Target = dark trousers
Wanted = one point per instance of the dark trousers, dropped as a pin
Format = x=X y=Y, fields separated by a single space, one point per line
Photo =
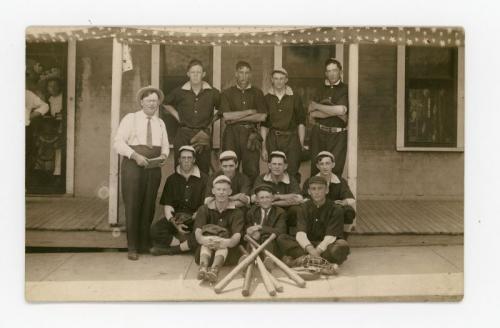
x=336 y=252
x=290 y=145
x=335 y=143
x=235 y=138
x=183 y=138
x=292 y=213
x=139 y=190
x=163 y=231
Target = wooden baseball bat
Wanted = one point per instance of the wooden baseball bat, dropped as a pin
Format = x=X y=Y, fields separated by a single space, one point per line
x=277 y=285
x=289 y=272
x=265 y=277
x=248 y=280
x=250 y=258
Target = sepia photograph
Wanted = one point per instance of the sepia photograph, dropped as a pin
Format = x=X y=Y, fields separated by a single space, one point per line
x=244 y=163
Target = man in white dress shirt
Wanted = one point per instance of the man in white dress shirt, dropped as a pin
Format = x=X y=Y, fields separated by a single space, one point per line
x=141 y=137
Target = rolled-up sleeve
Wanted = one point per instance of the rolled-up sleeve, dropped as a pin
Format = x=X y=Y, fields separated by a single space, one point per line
x=122 y=135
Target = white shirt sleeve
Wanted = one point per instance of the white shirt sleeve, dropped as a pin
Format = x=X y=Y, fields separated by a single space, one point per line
x=302 y=239
x=326 y=241
x=165 y=146
x=125 y=129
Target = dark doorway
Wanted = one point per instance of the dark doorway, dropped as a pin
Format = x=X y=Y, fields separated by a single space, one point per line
x=46 y=134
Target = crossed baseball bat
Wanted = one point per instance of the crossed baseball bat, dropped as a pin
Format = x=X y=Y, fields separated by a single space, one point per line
x=270 y=282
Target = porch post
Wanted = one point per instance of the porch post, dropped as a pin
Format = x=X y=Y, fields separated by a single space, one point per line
x=217 y=83
x=155 y=65
x=352 y=134
x=116 y=89
x=70 y=118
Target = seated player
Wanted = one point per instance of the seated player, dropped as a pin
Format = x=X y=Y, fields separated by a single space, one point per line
x=181 y=198
x=338 y=188
x=287 y=190
x=319 y=229
x=240 y=184
x=216 y=245
x=264 y=219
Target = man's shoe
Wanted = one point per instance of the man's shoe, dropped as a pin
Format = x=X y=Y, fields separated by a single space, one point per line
x=212 y=274
x=202 y=272
x=132 y=255
x=156 y=251
x=288 y=260
x=174 y=250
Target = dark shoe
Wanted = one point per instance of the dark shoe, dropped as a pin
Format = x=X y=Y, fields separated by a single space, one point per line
x=156 y=251
x=132 y=255
x=212 y=274
x=202 y=273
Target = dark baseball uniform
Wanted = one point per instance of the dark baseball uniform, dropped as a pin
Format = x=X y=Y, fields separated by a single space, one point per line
x=331 y=133
x=338 y=189
x=284 y=117
x=185 y=196
x=196 y=112
x=318 y=222
x=236 y=135
x=231 y=218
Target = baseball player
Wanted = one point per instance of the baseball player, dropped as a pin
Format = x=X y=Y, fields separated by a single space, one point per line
x=319 y=229
x=182 y=196
x=287 y=190
x=216 y=243
x=329 y=113
x=338 y=188
x=284 y=129
x=240 y=184
x=193 y=105
x=243 y=108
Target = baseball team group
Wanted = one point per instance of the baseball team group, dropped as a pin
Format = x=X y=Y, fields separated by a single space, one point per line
x=208 y=213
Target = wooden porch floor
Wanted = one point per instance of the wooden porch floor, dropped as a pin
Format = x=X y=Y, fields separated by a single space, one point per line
x=374 y=216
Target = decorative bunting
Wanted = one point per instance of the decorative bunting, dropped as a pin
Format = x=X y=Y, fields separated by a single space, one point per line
x=414 y=36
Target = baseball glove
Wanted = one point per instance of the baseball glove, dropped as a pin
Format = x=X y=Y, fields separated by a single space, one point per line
x=254 y=142
x=214 y=230
x=200 y=141
x=314 y=264
x=184 y=218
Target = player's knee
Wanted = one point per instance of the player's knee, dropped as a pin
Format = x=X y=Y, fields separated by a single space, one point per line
x=349 y=214
x=338 y=251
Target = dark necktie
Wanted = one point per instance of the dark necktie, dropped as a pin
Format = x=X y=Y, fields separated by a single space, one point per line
x=149 y=134
x=264 y=218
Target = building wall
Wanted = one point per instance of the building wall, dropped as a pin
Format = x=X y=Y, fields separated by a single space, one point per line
x=92 y=117
x=384 y=172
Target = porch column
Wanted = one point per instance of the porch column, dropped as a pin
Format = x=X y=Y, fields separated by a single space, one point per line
x=70 y=118
x=217 y=83
x=352 y=132
x=155 y=65
x=116 y=90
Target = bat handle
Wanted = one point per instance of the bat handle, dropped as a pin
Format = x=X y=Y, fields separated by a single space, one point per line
x=248 y=280
x=265 y=276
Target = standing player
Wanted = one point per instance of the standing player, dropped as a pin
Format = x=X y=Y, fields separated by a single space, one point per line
x=243 y=108
x=284 y=129
x=330 y=115
x=193 y=105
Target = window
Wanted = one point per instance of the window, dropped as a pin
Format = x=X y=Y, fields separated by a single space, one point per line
x=430 y=99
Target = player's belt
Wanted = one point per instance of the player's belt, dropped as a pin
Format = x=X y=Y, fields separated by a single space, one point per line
x=330 y=129
x=283 y=133
x=247 y=125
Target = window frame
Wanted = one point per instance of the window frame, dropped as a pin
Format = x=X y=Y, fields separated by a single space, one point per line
x=401 y=103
